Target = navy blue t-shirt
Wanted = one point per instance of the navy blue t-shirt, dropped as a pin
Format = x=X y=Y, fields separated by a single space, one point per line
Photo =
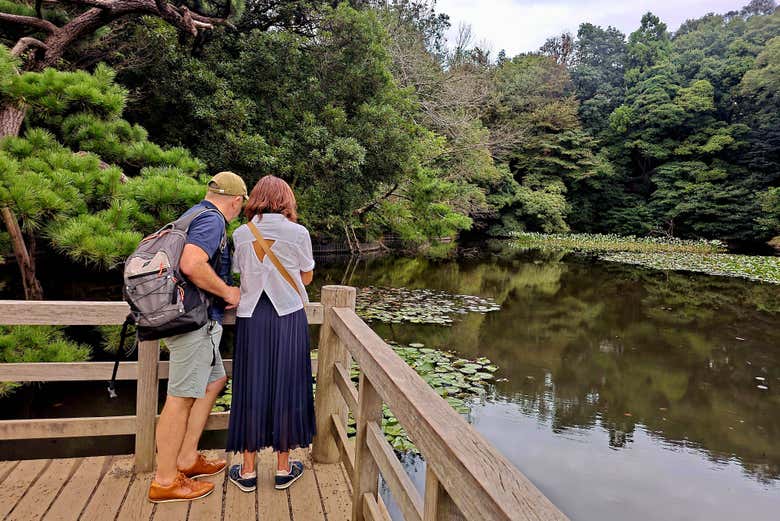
x=207 y=232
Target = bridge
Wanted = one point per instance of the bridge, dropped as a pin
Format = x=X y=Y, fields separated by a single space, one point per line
x=466 y=477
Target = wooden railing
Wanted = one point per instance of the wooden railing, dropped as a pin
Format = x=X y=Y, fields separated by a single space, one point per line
x=147 y=371
x=466 y=476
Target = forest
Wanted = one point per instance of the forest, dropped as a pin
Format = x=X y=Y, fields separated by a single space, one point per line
x=114 y=112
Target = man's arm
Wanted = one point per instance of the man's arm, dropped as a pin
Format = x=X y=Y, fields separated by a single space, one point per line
x=195 y=266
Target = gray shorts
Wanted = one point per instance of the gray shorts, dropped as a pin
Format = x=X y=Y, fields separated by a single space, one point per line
x=190 y=361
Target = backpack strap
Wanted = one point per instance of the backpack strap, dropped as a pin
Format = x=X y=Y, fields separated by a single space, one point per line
x=119 y=351
x=183 y=223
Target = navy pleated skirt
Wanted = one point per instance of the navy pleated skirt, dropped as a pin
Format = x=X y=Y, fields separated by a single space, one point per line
x=273 y=404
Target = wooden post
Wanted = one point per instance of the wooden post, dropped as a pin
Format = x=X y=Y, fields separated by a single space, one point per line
x=366 y=479
x=328 y=400
x=146 y=404
x=438 y=503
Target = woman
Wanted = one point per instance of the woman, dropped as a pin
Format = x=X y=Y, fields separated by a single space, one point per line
x=273 y=403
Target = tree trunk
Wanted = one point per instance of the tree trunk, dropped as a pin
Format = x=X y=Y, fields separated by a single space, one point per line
x=11 y=119
x=32 y=288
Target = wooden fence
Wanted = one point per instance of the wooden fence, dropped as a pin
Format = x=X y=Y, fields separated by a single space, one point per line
x=467 y=478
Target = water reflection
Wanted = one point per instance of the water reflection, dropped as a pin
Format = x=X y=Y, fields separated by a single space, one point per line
x=617 y=352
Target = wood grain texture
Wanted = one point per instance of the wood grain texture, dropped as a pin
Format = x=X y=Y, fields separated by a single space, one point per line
x=146 y=404
x=88 y=371
x=371 y=510
x=346 y=453
x=328 y=400
x=336 y=497
x=91 y=313
x=438 y=503
x=66 y=427
x=305 y=500
x=366 y=479
x=239 y=505
x=346 y=387
x=271 y=503
x=78 y=490
x=403 y=490
x=42 y=493
x=111 y=490
x=482 y=482
x=136 y=505
x=17 y=483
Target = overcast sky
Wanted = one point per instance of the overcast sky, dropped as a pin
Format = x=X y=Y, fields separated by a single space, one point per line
x=523 y=25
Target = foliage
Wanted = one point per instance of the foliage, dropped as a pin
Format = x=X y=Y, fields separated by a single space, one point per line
x=28 y=344
x=597 y=243
x=83 y=203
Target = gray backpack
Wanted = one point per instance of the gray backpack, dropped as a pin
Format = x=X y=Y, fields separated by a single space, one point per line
x=162 y=302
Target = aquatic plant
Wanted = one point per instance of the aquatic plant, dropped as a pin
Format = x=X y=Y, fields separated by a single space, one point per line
x=597 y=243
x=762 y=269
x=455 y=379
x=417 y=306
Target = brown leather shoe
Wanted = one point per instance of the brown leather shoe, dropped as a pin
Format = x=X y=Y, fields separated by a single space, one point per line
x=204 y=467
x=182 y=489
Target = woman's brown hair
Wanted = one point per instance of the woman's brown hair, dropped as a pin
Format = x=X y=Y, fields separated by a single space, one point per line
x=271 y=195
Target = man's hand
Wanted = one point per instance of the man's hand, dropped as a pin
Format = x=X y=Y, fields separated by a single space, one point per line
x=231 y=297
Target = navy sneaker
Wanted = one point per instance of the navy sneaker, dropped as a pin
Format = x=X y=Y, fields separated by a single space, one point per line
x=245 y=484
x=285 y=480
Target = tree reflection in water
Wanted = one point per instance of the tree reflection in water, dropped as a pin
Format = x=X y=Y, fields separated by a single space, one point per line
x=585 y=343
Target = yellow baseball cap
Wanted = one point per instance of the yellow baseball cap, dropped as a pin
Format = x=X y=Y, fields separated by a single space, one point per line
x=228 y=183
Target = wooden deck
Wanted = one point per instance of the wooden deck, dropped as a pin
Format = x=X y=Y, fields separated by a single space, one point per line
x=105 y=488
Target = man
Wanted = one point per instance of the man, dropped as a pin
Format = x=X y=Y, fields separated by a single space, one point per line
x=196 y=374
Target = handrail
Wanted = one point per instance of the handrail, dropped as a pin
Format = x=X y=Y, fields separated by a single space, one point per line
x=147 y=371
x=466 y=476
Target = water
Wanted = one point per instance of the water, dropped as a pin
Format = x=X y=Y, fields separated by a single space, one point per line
x=631 y=393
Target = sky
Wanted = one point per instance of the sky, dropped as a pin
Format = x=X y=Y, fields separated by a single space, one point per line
x=523 y=25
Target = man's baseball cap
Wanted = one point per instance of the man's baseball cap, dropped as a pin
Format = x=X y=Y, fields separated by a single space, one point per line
x=228 y=183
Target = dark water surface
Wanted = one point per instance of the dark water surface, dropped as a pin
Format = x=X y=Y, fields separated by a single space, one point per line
x=631 y=393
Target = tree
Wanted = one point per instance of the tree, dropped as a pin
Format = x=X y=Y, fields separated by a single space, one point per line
x=64 y=198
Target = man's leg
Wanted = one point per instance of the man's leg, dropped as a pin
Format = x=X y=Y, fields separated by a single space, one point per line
x=199 y=414
x=201 y=409
x=169 y=436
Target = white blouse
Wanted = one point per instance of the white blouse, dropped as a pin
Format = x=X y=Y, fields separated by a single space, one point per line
x=292 y=246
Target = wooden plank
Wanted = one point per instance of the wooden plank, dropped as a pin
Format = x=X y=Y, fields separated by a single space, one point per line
x=88 y=371
x=271 y=503
x=17 y=483
x=66 y=427
x=481 y=481
x=366 y=480
x=176 y=511
x=78 y=490
x=66 y=371
x=347 y=389
x=328 y=400
x=401 y=487
x=111 y=490
x=335 y=493
x=305 y=500
x=239 y=506
x=92 y=313
x=136 y=506
x=210 y=507
x=342 y=443
x=43 y=492
x=371 y=510
x=438 y=503
x=5 y=468
x=146 y=404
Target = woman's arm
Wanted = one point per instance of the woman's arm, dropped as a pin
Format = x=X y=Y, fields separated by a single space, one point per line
x=307 y=277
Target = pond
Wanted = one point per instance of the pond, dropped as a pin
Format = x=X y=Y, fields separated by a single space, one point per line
x=629 y=393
